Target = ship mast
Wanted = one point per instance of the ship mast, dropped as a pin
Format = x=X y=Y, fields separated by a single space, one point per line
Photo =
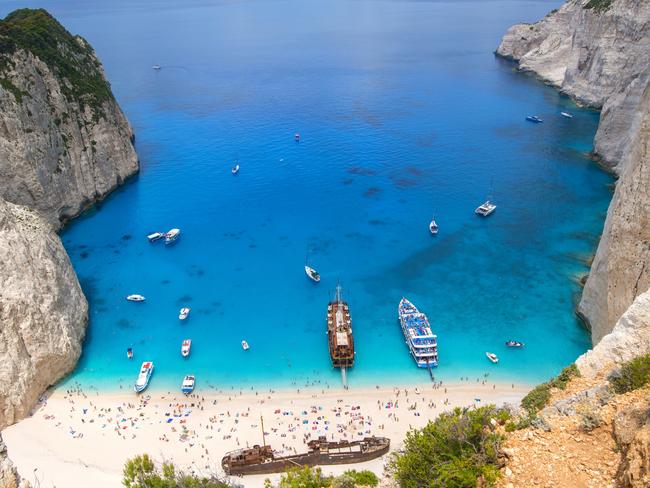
x=263 y=435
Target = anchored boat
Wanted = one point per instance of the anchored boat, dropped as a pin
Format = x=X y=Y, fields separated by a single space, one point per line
x=155 y=236
x=135 y=298
x=485 y=209
x=534 y=118
x=143 y=378
x=185 y=347
x=185 y=311
x=512 y=343
x=433 y=227
x=245 y=345
x=172 y=236
x=235 y=169
x=422 y=343
x=566 y=114
x=492 y=357
x=129 y=353
x=263 y=460
x=339 y=332
x=187 y=386
x=312 y=274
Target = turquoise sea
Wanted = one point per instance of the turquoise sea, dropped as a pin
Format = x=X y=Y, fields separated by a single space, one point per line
x=403 y=111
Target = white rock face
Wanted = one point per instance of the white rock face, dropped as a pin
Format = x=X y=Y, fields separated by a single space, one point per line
x=629 y=339
x=43 y=312
x=54 y=157
x=602 y=59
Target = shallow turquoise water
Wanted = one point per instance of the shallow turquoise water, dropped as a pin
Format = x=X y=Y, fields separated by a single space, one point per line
x=403 y=112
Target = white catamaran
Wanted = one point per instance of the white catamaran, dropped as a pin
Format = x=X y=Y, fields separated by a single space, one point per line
x=422 y=343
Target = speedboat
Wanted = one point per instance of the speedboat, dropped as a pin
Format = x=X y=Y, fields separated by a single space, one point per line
x=312 y=274
x=245 y=345
x=172 y=236
x=185 y=347
x=296 y=137
x=135 y=298
x=143 y=378
x=129 y=353
x=514 y=344
x=235 y=169
x=492 y=357
x=185 y=311
x=433 y=227
x=566 y=114
x=534 y=118
x=155 y=236
x=188 y=384
x=485 y=209
x=156 y=66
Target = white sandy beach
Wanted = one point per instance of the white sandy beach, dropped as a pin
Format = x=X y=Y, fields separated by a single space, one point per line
x=76 y=439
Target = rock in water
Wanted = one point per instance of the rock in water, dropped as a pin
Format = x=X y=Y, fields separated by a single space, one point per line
x=64 y=142
x=598 y=51
x=43 y=312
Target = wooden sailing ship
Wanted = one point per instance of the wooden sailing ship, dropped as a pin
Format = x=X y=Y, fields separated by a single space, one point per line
x=339 y=332
x=262 y=459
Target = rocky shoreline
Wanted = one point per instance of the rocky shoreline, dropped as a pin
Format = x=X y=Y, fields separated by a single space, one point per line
x=599 y=53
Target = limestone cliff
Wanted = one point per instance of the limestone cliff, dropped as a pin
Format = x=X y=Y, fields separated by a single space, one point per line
x=598 y=51
x=43 y=311
x=64 y=142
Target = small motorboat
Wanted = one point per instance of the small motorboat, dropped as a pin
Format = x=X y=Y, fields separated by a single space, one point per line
x=185 y=347
x=155 y=236
x=129 y=353
x=492 y=357
x=296 y=137
x=185 y=311
x=188 y=384
x=135 y=298
x=156 y=66
x=433 y=227
x=235 y=169
x=143 y=378
x=172 y=236
x=566 y=114
x=514 y=344
x=312 y=274
x=245 y=345
x=485 y=209
x=534 y=118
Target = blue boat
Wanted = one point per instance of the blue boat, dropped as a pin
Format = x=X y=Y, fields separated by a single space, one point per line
x=188 y=384
x=422 y=343
x=534 y=118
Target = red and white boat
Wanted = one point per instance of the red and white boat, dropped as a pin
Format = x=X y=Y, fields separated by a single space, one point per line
x=185 y=348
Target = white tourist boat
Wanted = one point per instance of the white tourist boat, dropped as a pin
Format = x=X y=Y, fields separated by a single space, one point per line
x=188 y=384
x=566 y=114
x=172 y=236
x=235 y=169
x=245 y=345
x=433 y=227
x=312 y=274
x=184 y=312
x=155 y=236
x=185 y=347
x=492 y=357
x=143 y=378
x=135 y=298
x=485 y=209
x=422 y=343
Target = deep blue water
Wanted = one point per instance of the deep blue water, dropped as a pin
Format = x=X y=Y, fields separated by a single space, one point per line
x=403 y=111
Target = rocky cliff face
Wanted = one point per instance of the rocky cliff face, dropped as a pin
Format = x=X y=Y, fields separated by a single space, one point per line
x=42 y=310
x=64 y=142
x=598 y=51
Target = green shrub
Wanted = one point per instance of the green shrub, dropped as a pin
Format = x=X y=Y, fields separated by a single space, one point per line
x=141 y=472
x=539 y=396
x=454 y=451
x=561 y=380
x=599 y=5
x=632 y=375
x=362 y=478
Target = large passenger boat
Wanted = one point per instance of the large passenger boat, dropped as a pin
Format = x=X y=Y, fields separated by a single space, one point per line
x=143 y=378
x=262 y=459
x=339 y=332
x=422 y=343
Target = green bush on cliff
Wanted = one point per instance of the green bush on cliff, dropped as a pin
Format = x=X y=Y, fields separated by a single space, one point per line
x=68 y=57
x=306 y=477
x=539 y=396
x=456 y=450
x=141 y=472
x=599 y=5
x=632 y=375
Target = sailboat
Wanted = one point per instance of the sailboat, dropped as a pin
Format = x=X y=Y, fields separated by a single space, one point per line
x=235 y=169
x=433 y=226
x=312 y=274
